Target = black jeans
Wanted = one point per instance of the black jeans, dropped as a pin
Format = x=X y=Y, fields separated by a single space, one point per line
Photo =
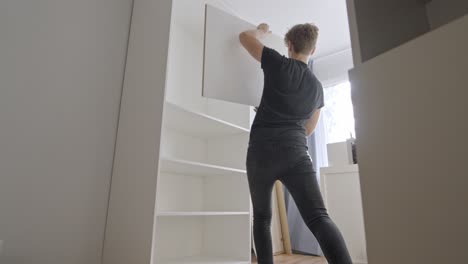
x=293 y=166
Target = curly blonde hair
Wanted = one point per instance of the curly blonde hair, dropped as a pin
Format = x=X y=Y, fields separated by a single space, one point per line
x=303 y=37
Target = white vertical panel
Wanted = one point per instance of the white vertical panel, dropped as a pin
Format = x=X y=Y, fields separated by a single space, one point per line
x=229 y=72
x=130 y=224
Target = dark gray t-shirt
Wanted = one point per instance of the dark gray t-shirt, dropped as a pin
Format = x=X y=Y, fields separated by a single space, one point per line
x=291 y=93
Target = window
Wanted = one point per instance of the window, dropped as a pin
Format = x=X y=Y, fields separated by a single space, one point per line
x=338 y=114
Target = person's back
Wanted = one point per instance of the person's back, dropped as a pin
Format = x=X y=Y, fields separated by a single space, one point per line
x=288 y=112
x=290 y=96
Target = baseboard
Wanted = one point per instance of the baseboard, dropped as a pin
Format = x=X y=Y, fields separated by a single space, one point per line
x=360 y=262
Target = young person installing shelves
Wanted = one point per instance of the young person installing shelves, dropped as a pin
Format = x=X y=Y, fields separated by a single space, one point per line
x=287 y=114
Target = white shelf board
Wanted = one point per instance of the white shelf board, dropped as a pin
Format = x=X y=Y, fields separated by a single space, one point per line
x=205 y=260
x=185 y=167
x=201 y=213
x=198 y=124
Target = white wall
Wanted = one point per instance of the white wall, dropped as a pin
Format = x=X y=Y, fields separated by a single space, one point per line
x=333 y=69
x=61 y=69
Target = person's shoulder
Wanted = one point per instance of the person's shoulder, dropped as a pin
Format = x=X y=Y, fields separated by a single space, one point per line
x=267 y=49
x=271 y=58
x=315 y=82
x=319 y=83
x=315 y=79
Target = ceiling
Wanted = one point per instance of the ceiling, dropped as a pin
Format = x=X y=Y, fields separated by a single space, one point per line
x=329 y=15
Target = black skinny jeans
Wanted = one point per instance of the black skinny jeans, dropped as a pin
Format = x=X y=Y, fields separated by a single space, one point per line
x=293 y=166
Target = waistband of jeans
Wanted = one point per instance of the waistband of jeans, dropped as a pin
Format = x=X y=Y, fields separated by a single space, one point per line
x=278 y=143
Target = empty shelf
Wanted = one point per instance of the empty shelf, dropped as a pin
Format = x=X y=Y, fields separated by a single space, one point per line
x=202 y=125
x=196 y=168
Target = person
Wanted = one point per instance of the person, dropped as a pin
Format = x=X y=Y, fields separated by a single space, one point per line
x=288 y=112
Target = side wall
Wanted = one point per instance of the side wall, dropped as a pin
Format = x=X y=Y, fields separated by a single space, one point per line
x=61 y=72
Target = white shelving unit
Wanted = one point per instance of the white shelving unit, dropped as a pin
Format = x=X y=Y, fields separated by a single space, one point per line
x=203 y=202
x=179 y=191
x=203 y=212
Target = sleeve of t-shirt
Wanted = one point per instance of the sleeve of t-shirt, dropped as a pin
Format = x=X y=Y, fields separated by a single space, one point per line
x=271 y=59
x=320 y=97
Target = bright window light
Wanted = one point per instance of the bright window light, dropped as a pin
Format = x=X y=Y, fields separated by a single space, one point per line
x=338 y=113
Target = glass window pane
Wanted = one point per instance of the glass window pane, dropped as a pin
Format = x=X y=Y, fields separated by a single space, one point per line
x=338 y=113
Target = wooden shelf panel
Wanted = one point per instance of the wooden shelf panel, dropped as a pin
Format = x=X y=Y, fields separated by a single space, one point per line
x=196 y=168
x=198 y=124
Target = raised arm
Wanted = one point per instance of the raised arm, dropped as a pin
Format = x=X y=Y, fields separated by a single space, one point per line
x=250 y=40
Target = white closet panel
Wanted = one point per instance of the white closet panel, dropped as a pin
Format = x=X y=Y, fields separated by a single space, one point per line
x=229 y=72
